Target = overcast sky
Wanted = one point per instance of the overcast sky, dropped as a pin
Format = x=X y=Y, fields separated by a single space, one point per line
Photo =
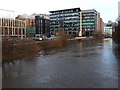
x=107 y=8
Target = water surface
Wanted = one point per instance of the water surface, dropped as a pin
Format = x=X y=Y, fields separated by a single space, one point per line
x=86 y=64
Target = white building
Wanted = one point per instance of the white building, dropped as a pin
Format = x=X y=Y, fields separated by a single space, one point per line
x=108 y=31
x=12 y=27
x=109 y=28
x=119 y=9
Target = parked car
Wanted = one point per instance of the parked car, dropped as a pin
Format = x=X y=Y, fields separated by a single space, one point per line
x=34 y=38
x=49 y=38
x=38 y=39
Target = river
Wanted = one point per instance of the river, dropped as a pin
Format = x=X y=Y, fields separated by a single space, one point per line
x=86 y=64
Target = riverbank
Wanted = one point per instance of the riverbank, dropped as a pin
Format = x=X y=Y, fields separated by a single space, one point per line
x=16 y=51
x=116 y=34
x=24 y=49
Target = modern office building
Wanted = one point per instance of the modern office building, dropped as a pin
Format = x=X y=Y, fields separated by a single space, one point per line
x=109 y=28
x=67 y=19
x=108 y=31
x=76 y=22
x=12 y=27
x=119 y=9
x=30 y=24
x=36 y=24
x=42 y=25
x=90 y=22
x=101 y=26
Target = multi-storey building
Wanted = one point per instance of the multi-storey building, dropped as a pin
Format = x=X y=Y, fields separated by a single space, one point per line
x=90 y=22
x=76 y=22
x=68 y=20
x=101 y=26
x=12 y=27
x=36 y=24
x=109 y=28
x=108 y=31
x=42 y=25
x=119 y=9
x=116 y=32
x=30 y=24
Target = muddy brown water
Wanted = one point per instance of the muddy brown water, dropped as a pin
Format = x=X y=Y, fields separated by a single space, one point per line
x=86 y=64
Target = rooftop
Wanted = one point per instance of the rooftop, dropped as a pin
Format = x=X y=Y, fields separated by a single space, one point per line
x=25 y=16
x=89 y=10
x=74 y=9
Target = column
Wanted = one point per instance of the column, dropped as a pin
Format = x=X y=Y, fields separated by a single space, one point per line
x=12 y=26
x=3 y=28
x=21 y=29
x=8 y=26
x=25 y=27
x=0 y=22
x=0 y=27
x=80 y=33
x=17 y=32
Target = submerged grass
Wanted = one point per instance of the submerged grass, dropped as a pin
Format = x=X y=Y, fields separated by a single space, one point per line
x=11 y=52
x=59 y=42
x=24 y=49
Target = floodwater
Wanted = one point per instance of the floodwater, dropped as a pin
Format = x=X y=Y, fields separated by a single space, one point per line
x=86 y=64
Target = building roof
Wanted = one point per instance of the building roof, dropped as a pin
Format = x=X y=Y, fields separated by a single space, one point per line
x=65 y=10
x=89 y=10
x=110 y=24
x=25 y=16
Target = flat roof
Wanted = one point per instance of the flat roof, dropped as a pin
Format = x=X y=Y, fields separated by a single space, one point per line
x=89 y=10
x=65 y=10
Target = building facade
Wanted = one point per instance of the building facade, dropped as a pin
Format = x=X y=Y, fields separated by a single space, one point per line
x=109 y=28
x=119 y=9
x=101 y=26
x=108 y=31
x=90 y=22
x=12 y=27
x=36 y=24
x=118 y=19
x=68 y=20
x=30 y=24
x=42 y=26
x=76 y=22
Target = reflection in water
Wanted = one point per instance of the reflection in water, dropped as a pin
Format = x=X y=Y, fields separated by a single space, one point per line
x=86 y=64
x=116 y=50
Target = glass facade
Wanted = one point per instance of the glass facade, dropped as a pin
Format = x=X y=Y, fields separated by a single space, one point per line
x=68 y=20
x=42 y=26
x=89 y=23
x=75 y=22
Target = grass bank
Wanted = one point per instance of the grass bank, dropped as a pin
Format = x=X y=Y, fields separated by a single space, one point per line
x=59 y=42
x=24 y=49
x=11 y=52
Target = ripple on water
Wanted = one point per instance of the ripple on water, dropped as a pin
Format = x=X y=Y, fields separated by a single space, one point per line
x=80 y=56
